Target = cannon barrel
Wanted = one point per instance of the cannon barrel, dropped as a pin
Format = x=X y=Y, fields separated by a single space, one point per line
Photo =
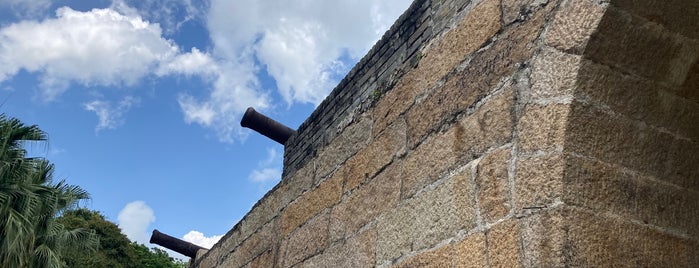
x=266 y=126
x=174 y=244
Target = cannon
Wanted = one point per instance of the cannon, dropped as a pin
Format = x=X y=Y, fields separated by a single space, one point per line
x=174 y=244
x=266 y=126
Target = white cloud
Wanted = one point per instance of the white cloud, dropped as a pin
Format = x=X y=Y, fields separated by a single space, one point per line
x=170 y=14
x=269 y=169
x=301 y=43
x=134 y=220
x=25 y=8
x=198 y=238
x=110 y=117
x=98 y=47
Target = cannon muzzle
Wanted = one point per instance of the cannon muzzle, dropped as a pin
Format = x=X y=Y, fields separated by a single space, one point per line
x=174 y=244
x=266 y=126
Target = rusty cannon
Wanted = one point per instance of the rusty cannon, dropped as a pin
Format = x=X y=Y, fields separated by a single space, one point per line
x=174 y=244
x=266 y=126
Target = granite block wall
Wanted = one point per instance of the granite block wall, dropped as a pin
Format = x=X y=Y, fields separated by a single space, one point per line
x=496 y=133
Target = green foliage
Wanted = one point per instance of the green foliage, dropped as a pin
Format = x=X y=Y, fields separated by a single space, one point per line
x=115 y=248
x=30 y=202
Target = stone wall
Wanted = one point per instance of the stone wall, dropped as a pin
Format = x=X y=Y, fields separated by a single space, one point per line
x=504 y=133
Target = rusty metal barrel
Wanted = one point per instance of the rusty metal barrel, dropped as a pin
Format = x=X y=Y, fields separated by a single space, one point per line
x=266 y=126
x=174 y=244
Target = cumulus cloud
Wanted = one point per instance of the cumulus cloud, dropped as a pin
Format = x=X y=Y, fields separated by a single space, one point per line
x=198 y=238
x=301 y=43
x=134 y=220
x=170 y=14
x=25 y=8
x=98 y=47
x=110 y=116
x=269 y=169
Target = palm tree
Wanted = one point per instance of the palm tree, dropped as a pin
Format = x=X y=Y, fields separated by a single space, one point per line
x=30 y=202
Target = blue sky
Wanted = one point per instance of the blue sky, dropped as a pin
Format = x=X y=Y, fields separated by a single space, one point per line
x=142 y=99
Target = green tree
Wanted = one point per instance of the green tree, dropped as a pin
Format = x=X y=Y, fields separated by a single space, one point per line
x=115 y=248
x=30 y=202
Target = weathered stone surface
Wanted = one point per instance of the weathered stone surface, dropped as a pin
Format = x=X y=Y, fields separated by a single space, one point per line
x=265 y=260
x=575 y=21
x=542 y=127
x=539 y=181
x=366 y=203
x=688 y=89
x=638 y=98
x=579 y=238
x=616 y=139
x=544 y=238
x=489 y=126
x=312 y=202
x=267 y=208
x=306 y=241
x=504 y=244
x=353 y=138
x=492 y=184
x=553 y=76
x=642 y=47
x=379 y=153
x=301 y=181
x=482 y=75
x=675 y=15
x=440 y=257
x=470 y=34
x=357 y=251
x=423 y=221
x=265 y=239
x=471 y=252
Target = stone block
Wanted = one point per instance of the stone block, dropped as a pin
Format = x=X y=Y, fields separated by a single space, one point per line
x=542 y=127
x=353 y=138
x=379 y=153
x=471 y=252
x=675 y=15
x=366 y=203
x=553 y=76
x=582 y=238
x=440 y=257
x=544 y=238
x=641 y=47
x=427 y=163
x=491 y=125
x=471 y=33
x=356 y=251
x=599 y=186
x=265 y=239
x=300 y=182
x=397 y=100
x=520 y=10
x=618 y=140
x=266 y=208
x=423 y=221
x=539 y=181
x=311 y=203
x=573 y=25
x=492 y=182
x=504 y=245
x=682 y=163
x=638 y=98
x=480 y=77
x=306 y=241
x=688 y=90
x=265 y=260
